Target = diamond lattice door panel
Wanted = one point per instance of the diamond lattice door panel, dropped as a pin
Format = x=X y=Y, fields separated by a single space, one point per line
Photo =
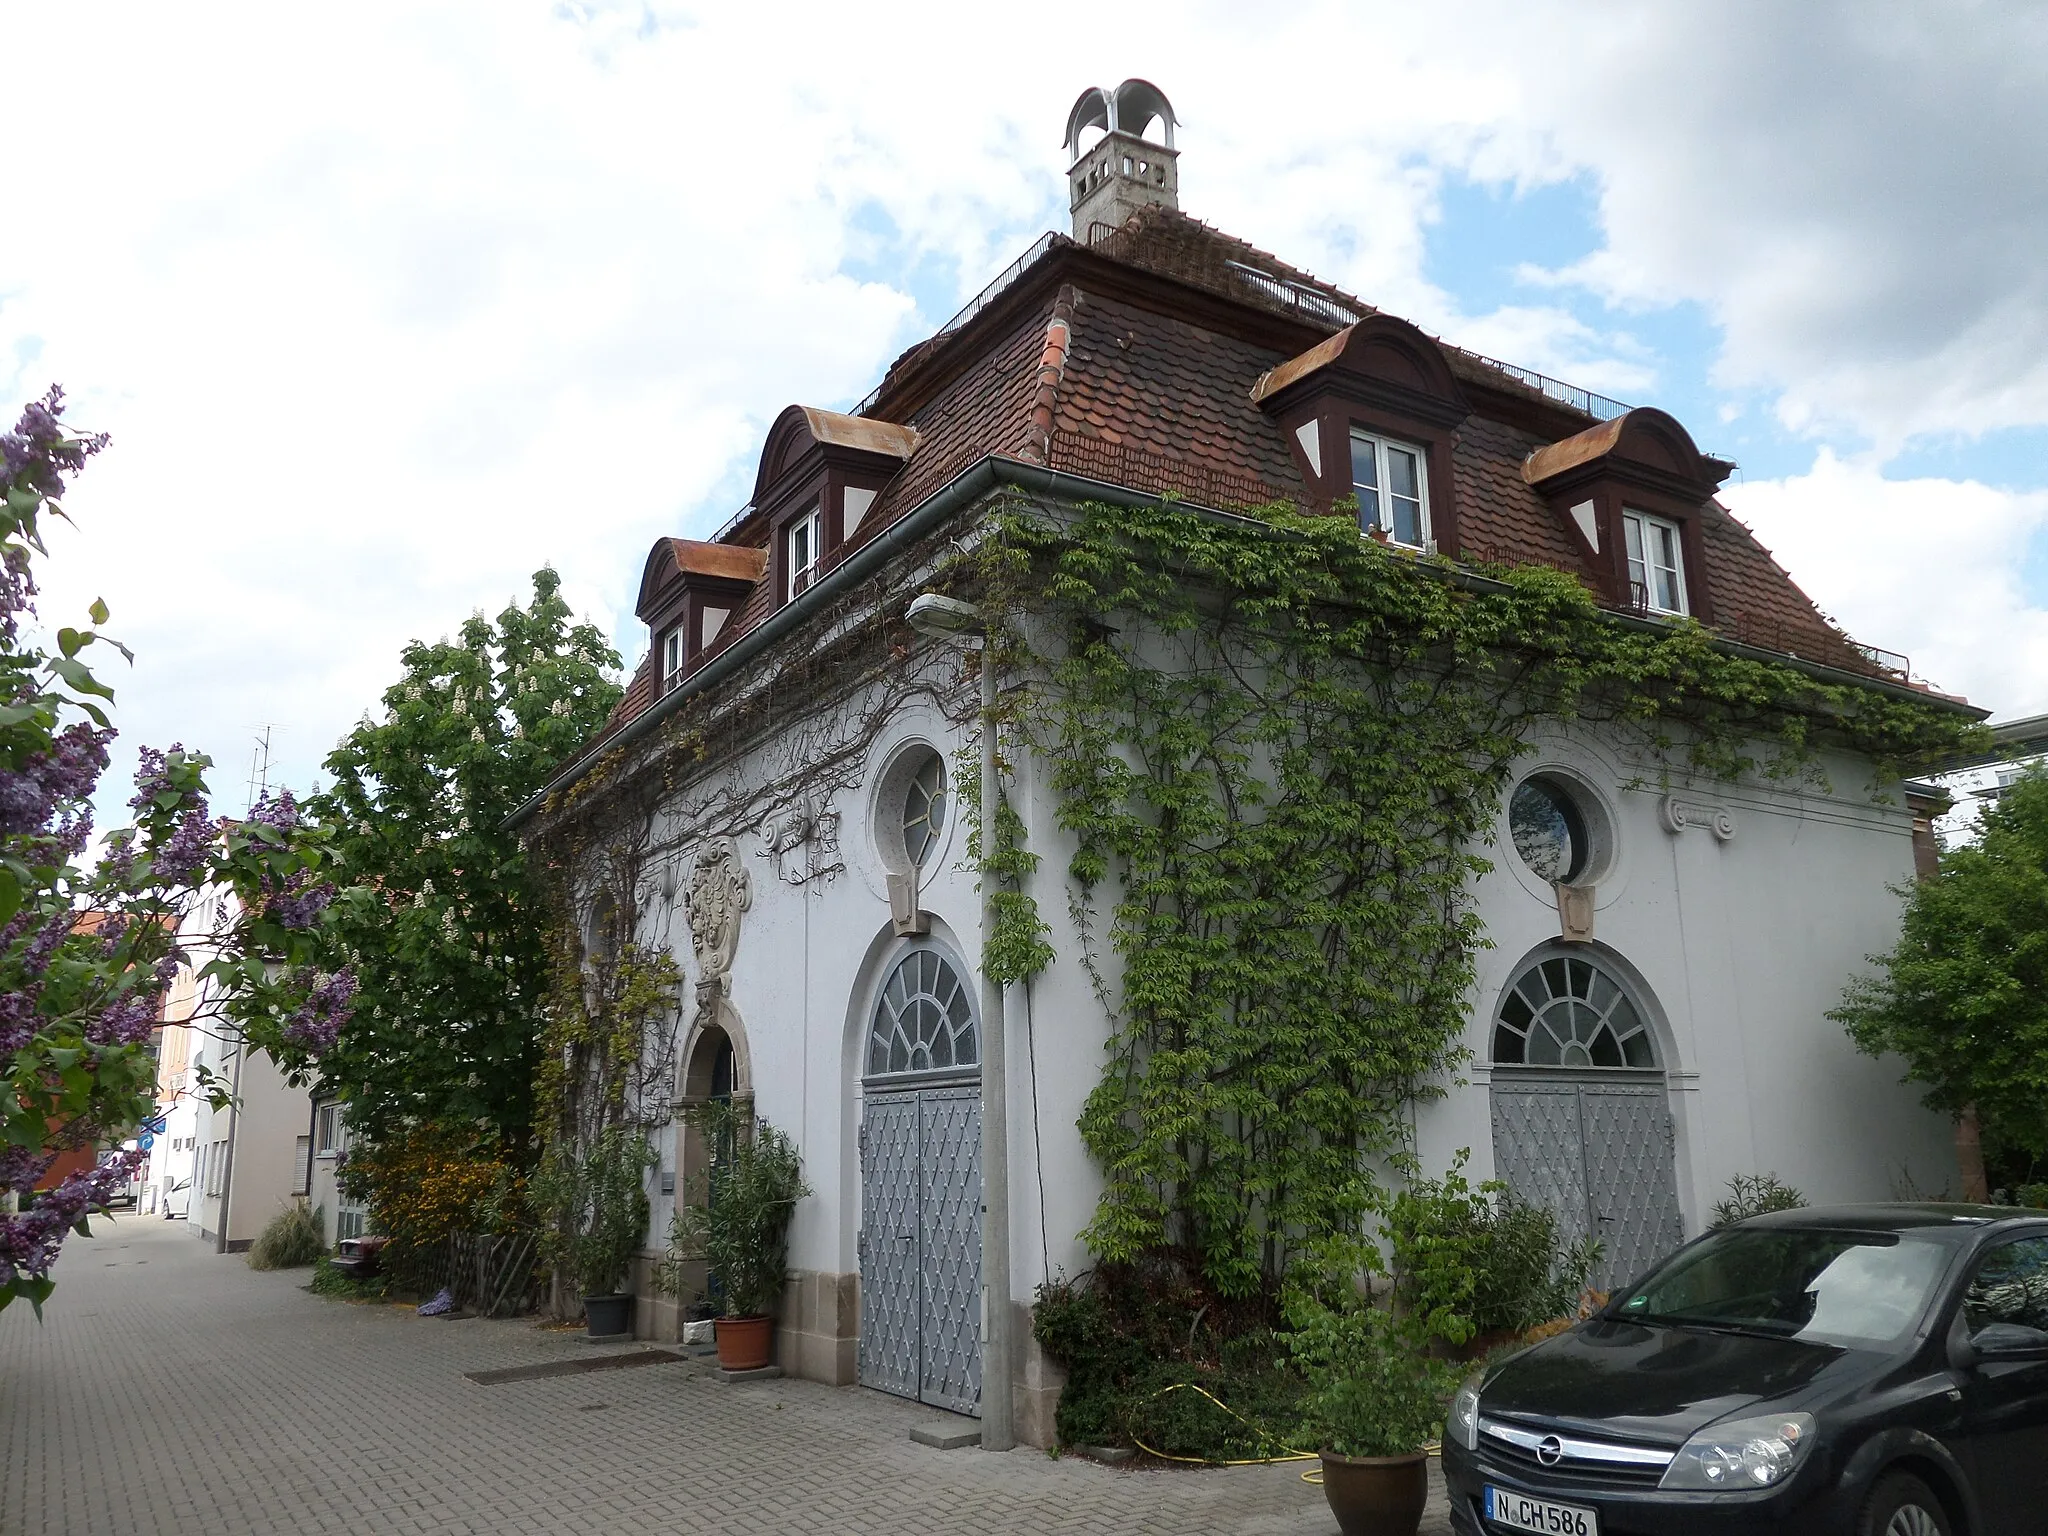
x=1631 y=1176
x=1538 y=1149
x=950 y=1252
x=890 y=1198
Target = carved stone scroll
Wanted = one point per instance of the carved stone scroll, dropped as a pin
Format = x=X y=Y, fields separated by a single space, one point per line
x=1679 y=814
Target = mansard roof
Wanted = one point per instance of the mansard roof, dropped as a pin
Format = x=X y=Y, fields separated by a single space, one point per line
x=1141 y=361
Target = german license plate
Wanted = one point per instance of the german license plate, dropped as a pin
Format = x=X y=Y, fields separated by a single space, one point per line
x=1519 y=1512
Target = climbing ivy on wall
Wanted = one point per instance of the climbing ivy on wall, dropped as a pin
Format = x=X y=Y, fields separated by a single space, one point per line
x=1281 y=747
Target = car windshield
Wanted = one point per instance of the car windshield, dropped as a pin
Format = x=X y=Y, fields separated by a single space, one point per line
x=1849 y=1288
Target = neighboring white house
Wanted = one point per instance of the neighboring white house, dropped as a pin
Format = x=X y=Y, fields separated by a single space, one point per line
x=167 y=1178
x=1632 y=1048
x=2016 y=745
x=251 y=1158
x=340 y=1217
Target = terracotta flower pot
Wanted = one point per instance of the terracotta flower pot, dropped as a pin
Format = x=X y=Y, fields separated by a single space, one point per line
x=744 y=1342
x=1376 y=1495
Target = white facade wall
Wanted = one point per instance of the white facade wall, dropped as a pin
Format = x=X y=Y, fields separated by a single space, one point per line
x=1737 y=947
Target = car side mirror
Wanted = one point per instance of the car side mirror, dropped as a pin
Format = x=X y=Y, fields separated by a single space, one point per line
x=2009 y=1341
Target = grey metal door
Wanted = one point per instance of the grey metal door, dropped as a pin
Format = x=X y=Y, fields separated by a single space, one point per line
x=889 y=1201
x=949 y=1258
x=1599 y=1150
x=1631 y=1175
x=920 y=1246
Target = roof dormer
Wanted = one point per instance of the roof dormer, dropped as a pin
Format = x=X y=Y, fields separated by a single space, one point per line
x=1370 y=412
x=1628 y=493
x=690 y=595
x=821 y=475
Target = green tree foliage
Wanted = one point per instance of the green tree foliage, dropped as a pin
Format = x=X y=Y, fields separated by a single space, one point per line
x=1963 y=997
x=442 y=916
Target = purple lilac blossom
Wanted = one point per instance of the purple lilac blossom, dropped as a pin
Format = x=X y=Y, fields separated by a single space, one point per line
x=315 y=1027
x=17 y=591
x=18 y=1021
x=179 y=859
x=280 y=811
x=35 y=959
x=29 y=1241
x=128 y=1020
x=299 y=903
x=20 y=1167
x=66 y=776
x=37 y=454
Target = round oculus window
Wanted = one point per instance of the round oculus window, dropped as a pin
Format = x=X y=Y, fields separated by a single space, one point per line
x=1549 y=830
x=924 y=809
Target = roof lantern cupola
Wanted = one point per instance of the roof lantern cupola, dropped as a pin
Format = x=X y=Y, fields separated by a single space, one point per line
x=1124 y=170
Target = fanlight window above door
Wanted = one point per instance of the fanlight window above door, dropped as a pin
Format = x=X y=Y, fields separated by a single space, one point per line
x=924 y=1019
x=1568 y=1012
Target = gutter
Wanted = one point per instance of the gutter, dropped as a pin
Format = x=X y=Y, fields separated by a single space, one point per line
x=994 y=471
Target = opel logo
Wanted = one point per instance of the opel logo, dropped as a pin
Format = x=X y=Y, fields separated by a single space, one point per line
x=1550 y=1450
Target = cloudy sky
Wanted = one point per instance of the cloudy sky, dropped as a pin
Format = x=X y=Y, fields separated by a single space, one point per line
x=387 y=305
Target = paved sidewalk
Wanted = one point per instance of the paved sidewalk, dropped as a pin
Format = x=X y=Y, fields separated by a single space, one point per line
x=174 y=1391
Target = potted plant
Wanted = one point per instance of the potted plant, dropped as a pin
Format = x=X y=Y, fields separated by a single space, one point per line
x=599 y=1206
x=1377 y=1399
x=740 y=1228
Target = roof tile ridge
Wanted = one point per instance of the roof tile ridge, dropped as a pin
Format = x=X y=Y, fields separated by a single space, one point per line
x=1052 y=371
x=1279 y=266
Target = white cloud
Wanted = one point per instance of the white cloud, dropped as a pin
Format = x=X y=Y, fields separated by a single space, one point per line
x=1929 y=567
x=386 y=306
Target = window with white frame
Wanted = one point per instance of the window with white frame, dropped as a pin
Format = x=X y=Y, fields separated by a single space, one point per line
x=1393 y=489
x=329 y=1128
x=1656 y=562
x=802 y=552
x=672 y=659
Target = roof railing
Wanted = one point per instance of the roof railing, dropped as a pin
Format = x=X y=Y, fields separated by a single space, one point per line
x=973 y=307
x=1297 y=296
x=1599 y=407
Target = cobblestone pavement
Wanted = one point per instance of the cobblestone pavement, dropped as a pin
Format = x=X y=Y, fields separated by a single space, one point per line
x=174 y=1391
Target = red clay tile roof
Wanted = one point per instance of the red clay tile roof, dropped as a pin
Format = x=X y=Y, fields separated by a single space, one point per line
x=1132 y=380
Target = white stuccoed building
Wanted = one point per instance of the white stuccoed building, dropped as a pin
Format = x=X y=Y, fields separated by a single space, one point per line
x=777 y=788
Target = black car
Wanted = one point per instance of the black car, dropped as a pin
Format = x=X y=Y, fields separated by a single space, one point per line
x=1879 y=1370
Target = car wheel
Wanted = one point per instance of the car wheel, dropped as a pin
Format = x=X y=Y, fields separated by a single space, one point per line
x=1902 y=1505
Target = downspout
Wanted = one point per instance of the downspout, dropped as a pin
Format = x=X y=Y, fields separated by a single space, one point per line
x=313 y=1153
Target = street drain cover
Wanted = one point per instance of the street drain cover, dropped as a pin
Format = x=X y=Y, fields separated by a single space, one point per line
x=572 y=1367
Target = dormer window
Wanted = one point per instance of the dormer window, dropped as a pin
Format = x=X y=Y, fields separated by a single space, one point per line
x=1629 y=494
x=1390 y=479
x=1370 y=414
x=802 y=551
x=1656 y=562
x=672 y=659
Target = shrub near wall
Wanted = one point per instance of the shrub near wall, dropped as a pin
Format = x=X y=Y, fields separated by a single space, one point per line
x=427 y=1183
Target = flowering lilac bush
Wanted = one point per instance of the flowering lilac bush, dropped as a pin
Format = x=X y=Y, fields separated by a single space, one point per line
x=88 y=954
